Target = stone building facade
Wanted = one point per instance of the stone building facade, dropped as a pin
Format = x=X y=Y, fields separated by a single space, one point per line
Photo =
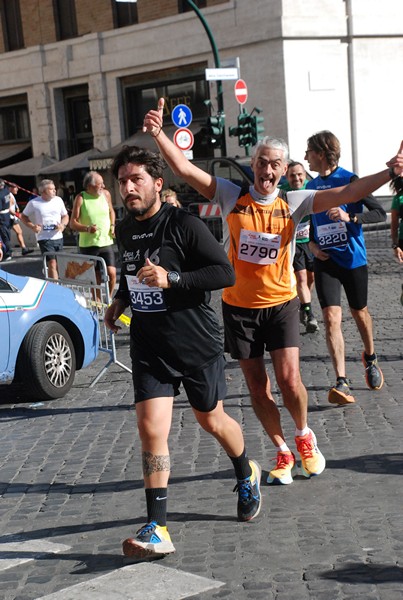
x=71 y=82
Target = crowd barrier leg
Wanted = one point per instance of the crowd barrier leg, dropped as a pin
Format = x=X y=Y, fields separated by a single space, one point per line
x=79 y=272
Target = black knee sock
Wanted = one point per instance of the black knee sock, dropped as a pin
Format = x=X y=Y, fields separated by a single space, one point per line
x=156 y=499
x=241 y=466
x=307 y=308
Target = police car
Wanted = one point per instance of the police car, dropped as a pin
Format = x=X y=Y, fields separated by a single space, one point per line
x=47 y=334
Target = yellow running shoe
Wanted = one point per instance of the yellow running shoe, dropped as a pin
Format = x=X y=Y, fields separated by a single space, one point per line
x=312 y=460
x=284 y=470
x=150 y=540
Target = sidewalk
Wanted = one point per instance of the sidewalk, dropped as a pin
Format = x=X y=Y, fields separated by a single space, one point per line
x=71 y=486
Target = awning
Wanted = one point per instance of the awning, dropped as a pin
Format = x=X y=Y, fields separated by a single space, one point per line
x=9 y=151
x=28 y=168
x=78 y=161
x=104 y=159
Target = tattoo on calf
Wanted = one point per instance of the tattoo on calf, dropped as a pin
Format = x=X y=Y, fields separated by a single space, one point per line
x=153 y=463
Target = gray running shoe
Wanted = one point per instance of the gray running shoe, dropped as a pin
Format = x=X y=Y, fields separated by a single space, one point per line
x=311 y=324
x=340 y=393
x=373 y=374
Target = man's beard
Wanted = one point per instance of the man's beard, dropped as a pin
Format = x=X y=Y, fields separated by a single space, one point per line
x=141 y=211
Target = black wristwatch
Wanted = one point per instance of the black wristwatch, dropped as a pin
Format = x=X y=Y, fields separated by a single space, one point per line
x=173 y=278
x=353 y=218
x=395 y=246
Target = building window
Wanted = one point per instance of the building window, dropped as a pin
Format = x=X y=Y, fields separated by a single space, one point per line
x=177 y=86
x=14 y=124
x=11 y=22
x=124 y=13
x=183 y=6
x=77 y=130
x=65 y=19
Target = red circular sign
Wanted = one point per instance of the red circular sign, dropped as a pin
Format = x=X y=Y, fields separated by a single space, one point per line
x=241 y=91
x=183 y=138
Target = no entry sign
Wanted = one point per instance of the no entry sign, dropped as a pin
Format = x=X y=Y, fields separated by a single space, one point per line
x=241 y=91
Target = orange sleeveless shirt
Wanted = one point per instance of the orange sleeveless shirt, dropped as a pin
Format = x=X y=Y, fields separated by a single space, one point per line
x=261 y=248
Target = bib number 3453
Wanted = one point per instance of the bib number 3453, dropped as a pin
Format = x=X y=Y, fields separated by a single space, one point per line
x=144 y=298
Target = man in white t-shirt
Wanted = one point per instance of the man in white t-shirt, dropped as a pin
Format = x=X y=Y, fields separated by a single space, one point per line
x=47 y=216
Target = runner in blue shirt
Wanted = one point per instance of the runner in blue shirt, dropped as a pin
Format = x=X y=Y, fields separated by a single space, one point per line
x=338 y=244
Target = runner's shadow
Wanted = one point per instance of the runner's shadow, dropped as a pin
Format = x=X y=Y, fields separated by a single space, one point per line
x=356 y=573
x=388 y=464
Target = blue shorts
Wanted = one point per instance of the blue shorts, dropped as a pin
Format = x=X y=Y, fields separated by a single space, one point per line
x=51 y=246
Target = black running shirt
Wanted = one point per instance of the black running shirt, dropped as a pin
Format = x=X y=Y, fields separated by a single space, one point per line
x=173 y=331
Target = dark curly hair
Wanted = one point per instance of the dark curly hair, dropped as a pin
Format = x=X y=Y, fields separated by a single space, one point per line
x=153 y=163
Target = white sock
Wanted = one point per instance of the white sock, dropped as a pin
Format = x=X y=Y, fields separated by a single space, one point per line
x=301 y=432
x=283 y=448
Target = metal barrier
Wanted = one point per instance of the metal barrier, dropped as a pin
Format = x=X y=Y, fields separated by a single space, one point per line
x=377 y=235
x=211 y=215
x=78 y=272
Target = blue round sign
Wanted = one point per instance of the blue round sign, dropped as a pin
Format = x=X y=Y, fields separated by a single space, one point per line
x=181 y=115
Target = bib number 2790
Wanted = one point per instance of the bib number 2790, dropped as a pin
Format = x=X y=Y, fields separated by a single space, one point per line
x=258 y=248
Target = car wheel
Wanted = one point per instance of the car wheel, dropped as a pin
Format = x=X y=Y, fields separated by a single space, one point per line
x=47 y=361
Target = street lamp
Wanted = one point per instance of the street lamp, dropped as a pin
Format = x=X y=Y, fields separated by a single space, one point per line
x=220 y=96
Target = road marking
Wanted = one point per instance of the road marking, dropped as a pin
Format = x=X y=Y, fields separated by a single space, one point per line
x=142 y=581
x=16 y=553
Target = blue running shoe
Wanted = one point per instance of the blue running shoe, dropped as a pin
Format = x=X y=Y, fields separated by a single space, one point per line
x=150 y=540
x=249 y=497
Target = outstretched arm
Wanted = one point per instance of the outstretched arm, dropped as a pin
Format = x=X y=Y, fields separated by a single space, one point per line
x=326 y=199
x=201 y=181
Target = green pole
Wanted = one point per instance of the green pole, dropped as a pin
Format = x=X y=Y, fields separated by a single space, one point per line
x=220 y=97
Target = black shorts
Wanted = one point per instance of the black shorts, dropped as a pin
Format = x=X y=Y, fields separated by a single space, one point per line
x=249 y=331
x=330 y=278
x=204 y=388
x=303 y=258
x=51 y=246
x=105 y=252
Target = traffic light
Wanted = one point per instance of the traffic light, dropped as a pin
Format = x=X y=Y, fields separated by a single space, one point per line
x=256 y=128
x=244 y=129
x=216 y=130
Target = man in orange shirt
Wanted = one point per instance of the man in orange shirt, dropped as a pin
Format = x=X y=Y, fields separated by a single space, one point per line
x=261 y=311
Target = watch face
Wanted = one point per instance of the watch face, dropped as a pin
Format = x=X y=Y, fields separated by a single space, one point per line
x=173 y=277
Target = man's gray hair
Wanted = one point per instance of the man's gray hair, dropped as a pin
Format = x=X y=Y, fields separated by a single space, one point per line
x=44 y=184
x=271 y=142
x=89 y=179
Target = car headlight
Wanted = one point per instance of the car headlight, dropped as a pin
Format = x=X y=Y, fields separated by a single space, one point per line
x=81 y=299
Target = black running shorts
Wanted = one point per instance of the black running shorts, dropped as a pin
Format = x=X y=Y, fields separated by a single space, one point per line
x=204 y=388
x=303 y=258
x=105 y=252
x=249 y=332
x=330 y=278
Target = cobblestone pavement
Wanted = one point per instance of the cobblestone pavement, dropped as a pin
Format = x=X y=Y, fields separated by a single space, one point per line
x=71 y=476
